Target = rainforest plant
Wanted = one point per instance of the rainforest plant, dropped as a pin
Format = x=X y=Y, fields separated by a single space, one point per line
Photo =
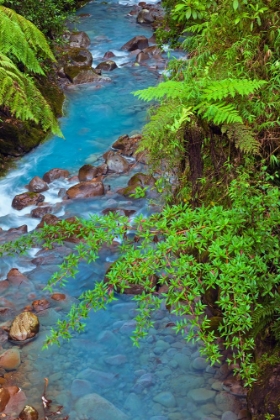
x=223 y=259
x=22 y=46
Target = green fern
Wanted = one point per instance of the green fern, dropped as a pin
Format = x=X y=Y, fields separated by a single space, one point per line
x=267 y=316
x=21 y=41
x=242 y=136
x=221 y=89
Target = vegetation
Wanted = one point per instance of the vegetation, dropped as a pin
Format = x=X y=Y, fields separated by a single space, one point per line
x=49 y=17
x=22 y=46
x=217 y=248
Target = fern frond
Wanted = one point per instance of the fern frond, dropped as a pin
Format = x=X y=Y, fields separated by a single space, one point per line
x=169 y=90
x=218 y=113
x=20 y=95
x=221 y=89
x=21 y=39
x=243 y=137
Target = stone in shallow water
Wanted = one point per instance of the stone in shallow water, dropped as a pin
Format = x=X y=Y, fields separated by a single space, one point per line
x=98 y=408
x=199 y=363
x=29 y=413
x=166 y=399
x=229 y=415
x=118 y=359
x=24 y=326
x=80 y=387
x=201 y=395
x=4 y=398
x=10 y=359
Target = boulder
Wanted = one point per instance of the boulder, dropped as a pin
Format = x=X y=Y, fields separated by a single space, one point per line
x=88 y=172
x=55 y=173
x=20 y=229
x=40 y=305
x=79 y=39
x=142 y=57
x=127 y=145
x=116 y=163
x=78 y=75
x=26 y=199
x=16 y=278
x=142 y=180
x=86 y=189
x=10 y=359
x=28 y=413
x=4 y=398
x=58 y=296
x=48 y=219
x=98 y=408
x=138 y=42
x=108 y=55
x=24 y=326
x=78 y=57
x=145 y=16
x=39 y=212
x=37 y=185
x=108 y=65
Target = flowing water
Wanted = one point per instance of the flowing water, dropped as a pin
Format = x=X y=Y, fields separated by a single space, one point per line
x=165 y=379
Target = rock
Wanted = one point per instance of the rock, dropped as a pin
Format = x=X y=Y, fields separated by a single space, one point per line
x=127 y=145
x=118 y=359
x=80 y=387
x=40 y=211
x=116 y=163
x=79 y=39
x=29 y=413
x=55 y=173
x=201 y=395
x=98 y=408
x=37 y=185
x=78 y=57
x=145 y=381
x=227 y=402
x=86 y=189
x=229 y=415
x=4 y=398
x=20 y=229
x=108 y=55
x=145 y=17
x=23 y=200
x=99 y=378
x=48 y=219
x=142 y=180
x=138 y=42
x=10 y=359
x=153 y=51
x=16 y=404
x=58 y=296
x=16 y=278
x=88 y=172
x=199 y=363
x=166 y=399
x=78 y=75
x=40 y=305
x=108 y=65
x=25 y=325
x=142 y=57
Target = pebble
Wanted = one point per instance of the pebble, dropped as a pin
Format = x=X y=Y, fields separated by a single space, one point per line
x=166 y=399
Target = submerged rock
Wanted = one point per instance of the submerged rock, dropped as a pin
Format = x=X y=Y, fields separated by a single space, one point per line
x=26 y=199
x=10 y=359
x=98 y=408
x=25 y=325
x=29 y=413
x=4 y=398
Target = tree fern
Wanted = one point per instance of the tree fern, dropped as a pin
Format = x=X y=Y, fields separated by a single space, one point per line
x=20 y=95
x=242 y=136
x=220 y=89
x=20 y=41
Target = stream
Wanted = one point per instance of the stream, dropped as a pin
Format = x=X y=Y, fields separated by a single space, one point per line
x=164 y=379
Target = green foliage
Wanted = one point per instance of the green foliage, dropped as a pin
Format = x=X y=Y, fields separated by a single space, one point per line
x=21 y=43
x=48 y=16
x=233 y=250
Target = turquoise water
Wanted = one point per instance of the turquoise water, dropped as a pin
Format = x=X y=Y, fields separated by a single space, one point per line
x=162 y=380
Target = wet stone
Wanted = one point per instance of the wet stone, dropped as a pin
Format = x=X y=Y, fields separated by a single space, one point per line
x=229 y=415
x=27 y=199
x=37 y=185
x=201 y=395
x=29 y=413
x=166 y=399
